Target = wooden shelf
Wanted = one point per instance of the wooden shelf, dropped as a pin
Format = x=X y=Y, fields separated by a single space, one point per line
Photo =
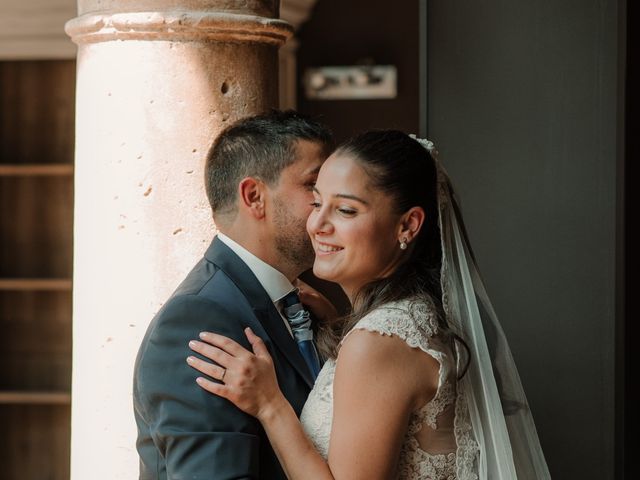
x=49 y=284
x=34 y=398
x=36 y=264
x=58 y=169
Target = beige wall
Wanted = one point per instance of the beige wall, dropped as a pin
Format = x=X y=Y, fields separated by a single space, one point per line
x=34 y=29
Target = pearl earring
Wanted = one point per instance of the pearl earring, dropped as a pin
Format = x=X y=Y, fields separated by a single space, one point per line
x=403 y=244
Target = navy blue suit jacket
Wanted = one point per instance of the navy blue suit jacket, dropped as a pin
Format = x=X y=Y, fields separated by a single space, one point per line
x=185 y=432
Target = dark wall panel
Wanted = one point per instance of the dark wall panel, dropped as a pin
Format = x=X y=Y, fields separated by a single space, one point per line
x=522 y=104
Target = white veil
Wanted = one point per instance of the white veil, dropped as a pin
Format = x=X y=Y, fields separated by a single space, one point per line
x=495 y=432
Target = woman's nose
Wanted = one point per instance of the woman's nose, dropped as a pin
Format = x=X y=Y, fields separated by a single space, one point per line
x=318 y=223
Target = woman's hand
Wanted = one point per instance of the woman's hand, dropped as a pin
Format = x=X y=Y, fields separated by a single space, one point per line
x=248 y=378
x=318 y=304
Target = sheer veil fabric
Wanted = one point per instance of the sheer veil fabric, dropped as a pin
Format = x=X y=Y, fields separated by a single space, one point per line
x=495 y=432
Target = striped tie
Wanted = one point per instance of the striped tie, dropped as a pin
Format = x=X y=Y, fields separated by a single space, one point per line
x=300 y=323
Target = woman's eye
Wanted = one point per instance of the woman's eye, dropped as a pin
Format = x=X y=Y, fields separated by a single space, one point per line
x=316 y=205
x=347 y=212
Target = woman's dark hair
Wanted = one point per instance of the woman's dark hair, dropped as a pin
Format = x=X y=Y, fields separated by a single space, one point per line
x=403 y=169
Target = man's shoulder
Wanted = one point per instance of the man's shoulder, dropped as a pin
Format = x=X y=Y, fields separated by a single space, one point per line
x=207 y=300
x=206 y=282
x=204 y=299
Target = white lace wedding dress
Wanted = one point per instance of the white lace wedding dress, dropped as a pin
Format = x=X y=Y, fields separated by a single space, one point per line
x=438 y=444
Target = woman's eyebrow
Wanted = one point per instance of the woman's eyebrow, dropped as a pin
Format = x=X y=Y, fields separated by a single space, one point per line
x=347 y=196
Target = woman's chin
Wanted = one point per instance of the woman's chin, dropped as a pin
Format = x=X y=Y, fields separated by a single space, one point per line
x=323 y=273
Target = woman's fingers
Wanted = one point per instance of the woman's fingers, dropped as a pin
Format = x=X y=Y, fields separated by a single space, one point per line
x=212 y=353
x=319 y=305
x=225 y=343
x=305 y=290
x=213 y=387
x=248 y=380
x=214 y=371
x=259 y=348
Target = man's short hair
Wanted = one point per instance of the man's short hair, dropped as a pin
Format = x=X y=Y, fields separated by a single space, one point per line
x=261 y=147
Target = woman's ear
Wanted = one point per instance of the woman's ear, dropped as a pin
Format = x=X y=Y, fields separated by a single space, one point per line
x=410 y=224
x=251 y=193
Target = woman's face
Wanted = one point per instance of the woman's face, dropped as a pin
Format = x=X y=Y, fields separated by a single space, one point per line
x=353 y=228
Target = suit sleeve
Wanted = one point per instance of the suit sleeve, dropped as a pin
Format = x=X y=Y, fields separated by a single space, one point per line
x=201 y=436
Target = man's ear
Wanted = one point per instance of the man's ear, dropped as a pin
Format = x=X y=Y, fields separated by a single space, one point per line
x=251 y=193
x=410 y=224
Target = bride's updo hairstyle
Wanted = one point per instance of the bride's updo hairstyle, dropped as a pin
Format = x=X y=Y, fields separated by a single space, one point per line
x=403 y=169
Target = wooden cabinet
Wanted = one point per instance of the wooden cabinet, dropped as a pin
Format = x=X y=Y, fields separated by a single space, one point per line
x=36 y=246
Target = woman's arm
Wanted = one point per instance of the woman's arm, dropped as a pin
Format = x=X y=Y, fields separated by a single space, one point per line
x=379 y=382
x=377 y=385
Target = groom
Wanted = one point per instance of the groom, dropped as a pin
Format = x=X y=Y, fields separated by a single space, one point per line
x=259 y=178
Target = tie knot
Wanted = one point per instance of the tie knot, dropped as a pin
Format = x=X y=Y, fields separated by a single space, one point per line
x=297 y=316
x=300 y=323
x=291 y=299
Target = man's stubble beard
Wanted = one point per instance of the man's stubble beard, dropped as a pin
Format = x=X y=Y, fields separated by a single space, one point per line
x=292 y=241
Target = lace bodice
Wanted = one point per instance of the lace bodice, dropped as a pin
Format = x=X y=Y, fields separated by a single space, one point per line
x=430 y=449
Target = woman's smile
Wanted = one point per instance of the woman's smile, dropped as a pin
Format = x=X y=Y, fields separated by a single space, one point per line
x=323 y=249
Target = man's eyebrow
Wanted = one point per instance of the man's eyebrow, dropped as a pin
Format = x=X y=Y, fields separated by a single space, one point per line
x=314 y=171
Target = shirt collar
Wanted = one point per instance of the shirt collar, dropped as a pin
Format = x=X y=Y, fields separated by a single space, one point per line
x=274 y=282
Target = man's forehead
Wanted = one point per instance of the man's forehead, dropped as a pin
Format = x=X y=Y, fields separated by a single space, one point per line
x=309 y=157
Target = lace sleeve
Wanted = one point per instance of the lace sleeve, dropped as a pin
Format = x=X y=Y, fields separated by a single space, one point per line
x=415 y=322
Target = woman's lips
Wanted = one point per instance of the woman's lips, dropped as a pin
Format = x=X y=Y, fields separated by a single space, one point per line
x=326 y=249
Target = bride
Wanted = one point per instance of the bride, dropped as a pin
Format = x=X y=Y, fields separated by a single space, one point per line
x=419 y=382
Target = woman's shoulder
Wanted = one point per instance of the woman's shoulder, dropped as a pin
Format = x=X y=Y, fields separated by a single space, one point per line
x=414 y=320
x=385 y=333
x=416 y=315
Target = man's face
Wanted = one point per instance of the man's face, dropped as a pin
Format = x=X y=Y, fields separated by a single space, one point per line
x=292 y=199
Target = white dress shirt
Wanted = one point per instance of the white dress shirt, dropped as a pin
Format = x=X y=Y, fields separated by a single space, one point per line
x=274 y=282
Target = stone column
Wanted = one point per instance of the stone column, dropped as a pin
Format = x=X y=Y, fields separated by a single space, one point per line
x=295 y=12
x=157 y=80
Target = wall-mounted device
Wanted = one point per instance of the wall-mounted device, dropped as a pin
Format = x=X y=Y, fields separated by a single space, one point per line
x=350 y=82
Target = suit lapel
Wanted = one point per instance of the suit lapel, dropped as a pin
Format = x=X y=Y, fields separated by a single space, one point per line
x=264 y=309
